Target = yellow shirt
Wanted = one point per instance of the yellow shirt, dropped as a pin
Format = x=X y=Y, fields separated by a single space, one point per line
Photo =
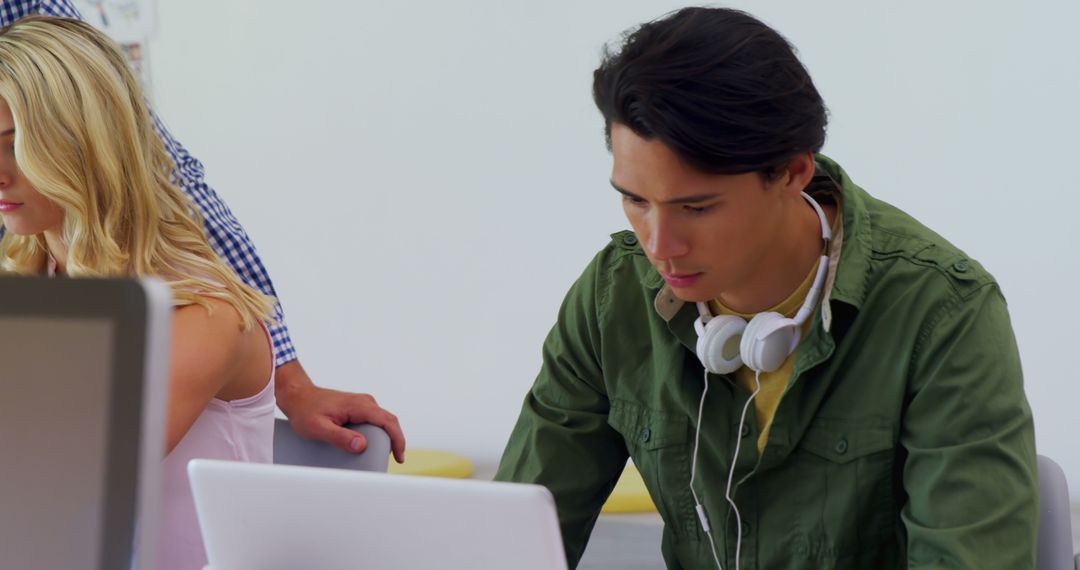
x=772 y=383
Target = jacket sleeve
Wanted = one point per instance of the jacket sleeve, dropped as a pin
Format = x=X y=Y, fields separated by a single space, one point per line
x=562 y=439
x=970 y=469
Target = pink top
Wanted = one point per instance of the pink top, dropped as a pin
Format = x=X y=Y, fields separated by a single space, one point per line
x=240 y=430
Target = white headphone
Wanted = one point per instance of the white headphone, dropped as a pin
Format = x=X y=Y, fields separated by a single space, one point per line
x=727 y=342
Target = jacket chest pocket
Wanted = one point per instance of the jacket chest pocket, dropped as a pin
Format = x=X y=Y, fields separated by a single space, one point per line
x=657 y=442
x=843 y=479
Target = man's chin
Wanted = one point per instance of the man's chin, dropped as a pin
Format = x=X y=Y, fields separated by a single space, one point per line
x=690 y=294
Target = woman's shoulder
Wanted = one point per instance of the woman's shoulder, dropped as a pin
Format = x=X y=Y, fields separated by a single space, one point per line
x=216 y=336
x=210 y=313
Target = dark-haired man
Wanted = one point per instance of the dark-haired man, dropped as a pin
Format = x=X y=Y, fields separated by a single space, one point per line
x=863 y=405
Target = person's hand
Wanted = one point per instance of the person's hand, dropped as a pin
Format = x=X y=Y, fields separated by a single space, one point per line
x=319 y=413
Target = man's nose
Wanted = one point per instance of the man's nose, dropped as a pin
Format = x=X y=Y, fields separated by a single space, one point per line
x=665 y=241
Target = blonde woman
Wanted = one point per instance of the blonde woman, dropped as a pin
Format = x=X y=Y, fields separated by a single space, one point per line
x=85 y=191
x=314 y=412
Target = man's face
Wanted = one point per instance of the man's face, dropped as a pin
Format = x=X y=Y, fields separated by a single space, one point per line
x=23 y=210
x=706 y=234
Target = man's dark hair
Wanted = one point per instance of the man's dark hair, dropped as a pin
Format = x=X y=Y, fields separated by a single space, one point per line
x=720 y=88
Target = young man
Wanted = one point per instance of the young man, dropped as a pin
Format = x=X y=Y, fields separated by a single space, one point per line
x=314 y=412
x=872 y=412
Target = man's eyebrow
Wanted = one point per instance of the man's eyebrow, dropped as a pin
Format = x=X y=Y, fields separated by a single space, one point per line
x=681 y=200
x=10 y=131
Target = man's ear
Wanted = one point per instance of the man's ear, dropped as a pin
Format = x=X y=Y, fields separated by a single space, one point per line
x=800 y=170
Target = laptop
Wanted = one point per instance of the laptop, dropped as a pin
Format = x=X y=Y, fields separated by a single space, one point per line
x=278 y=517
x=83 y=378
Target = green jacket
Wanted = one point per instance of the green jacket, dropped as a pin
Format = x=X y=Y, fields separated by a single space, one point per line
x=903 y=439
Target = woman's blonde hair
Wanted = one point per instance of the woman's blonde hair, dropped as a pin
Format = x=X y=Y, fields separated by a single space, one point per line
x=85 y=140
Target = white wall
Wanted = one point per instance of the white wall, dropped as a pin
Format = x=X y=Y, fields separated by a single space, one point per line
x=425 y=179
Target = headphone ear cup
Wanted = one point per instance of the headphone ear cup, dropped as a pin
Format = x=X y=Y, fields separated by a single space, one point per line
x=768 y=340
x=718 y=344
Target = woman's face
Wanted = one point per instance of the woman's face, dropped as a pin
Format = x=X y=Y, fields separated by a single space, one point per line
x=23 y=210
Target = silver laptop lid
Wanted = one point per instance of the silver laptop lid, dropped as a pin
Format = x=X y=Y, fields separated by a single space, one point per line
x=83 y=376
x=277 y=517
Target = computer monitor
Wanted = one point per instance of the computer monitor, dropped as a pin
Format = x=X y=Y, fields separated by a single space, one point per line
x=83 y=383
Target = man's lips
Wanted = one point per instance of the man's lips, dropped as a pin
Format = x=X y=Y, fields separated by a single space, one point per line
x=680 y=279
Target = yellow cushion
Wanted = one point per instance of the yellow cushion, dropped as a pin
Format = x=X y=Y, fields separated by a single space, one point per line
x=630 y=494
x=433 y=463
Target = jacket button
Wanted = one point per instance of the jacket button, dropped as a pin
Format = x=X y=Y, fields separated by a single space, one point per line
x=646 y=433
x=841 y=446
x=960 y=266
x=745 y=431
x=629 y=239
x=745 y=528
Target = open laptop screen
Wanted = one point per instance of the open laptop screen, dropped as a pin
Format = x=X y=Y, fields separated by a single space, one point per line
x=73 y=356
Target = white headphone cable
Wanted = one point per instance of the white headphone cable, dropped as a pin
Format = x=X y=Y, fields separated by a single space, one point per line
x=693 y=473
x=731 y=474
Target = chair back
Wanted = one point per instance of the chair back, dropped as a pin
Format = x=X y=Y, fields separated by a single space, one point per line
x=1055 y=548
x=291 y=449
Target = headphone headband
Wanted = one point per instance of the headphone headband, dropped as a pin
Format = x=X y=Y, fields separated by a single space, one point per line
x=823 y=265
